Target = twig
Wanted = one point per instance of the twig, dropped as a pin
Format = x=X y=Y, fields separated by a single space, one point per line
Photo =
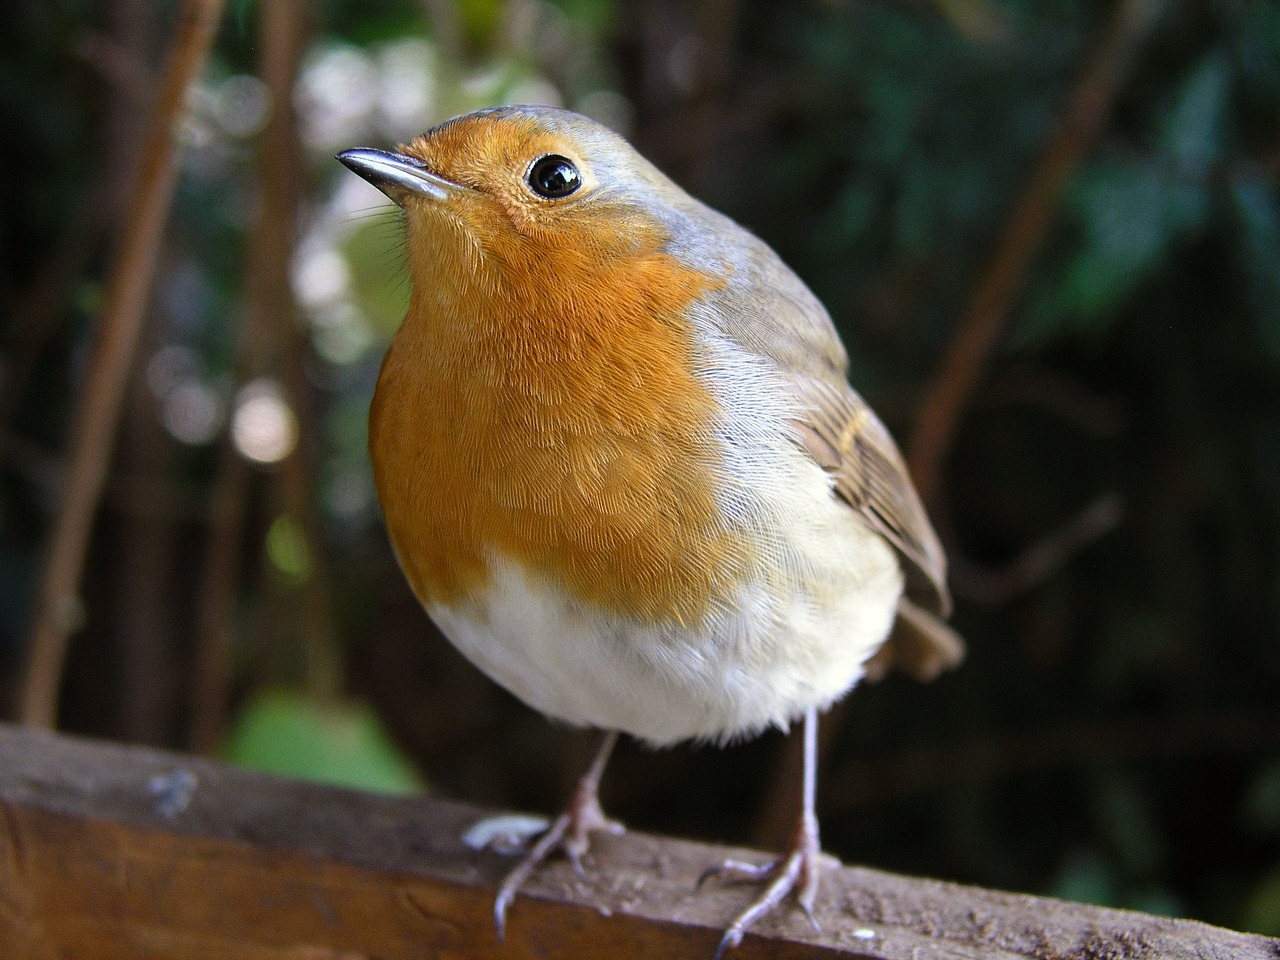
x=212 y=667
x=98 y=407
x=36 y=314
x=1042 y=559
x=284 y=25
x=1057 y=394
x=39 y=311
x=1022 y=240
x=146 y=621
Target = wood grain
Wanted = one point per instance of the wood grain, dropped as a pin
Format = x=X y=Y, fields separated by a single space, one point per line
x=110 y=852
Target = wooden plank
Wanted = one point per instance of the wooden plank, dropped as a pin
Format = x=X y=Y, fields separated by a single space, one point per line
x=110 y=852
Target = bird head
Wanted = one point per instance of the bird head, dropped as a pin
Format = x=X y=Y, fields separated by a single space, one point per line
x=511 y=185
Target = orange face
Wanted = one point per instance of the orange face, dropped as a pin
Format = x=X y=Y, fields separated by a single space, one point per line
x=541 y=401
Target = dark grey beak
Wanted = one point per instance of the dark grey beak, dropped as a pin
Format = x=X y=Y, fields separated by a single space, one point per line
x=398 y=176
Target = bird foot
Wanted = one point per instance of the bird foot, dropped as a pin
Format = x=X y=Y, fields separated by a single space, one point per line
x=795 y=872
x=568 y=835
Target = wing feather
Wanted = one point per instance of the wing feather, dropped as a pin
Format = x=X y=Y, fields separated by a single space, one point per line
x=845 y=437
x=769 y=312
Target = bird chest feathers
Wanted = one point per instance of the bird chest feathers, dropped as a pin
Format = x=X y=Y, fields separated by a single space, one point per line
x=546 y=409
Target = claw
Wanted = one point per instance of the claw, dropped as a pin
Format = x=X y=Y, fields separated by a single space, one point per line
x=732 y=937
x=787 y=873
x=511 y=884
x=735 y=871
x=795 y=872
x=569 y=833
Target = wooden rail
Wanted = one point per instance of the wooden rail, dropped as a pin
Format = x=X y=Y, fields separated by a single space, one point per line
x=108 y=851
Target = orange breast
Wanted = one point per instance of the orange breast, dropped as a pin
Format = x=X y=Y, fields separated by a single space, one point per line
x=545 y=408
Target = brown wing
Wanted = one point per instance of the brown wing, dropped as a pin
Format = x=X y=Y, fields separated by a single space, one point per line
x=768 y=311
x=847 y=439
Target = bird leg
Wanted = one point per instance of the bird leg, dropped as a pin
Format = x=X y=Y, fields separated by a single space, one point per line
x=568 y=833
x=795 y=872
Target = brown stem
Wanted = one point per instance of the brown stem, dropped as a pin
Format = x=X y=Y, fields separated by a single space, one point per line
x=40 y=311
x=1024 y=236
x=147 y=690
x=1043 y=558
x=98 y=407
x=212 y=670
x=284 y=26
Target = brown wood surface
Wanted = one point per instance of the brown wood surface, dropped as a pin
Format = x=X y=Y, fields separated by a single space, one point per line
x=108 y=851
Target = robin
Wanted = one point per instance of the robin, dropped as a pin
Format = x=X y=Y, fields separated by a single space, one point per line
x=621 y=466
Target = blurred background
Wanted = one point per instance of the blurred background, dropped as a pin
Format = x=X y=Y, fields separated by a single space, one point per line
x=1048 y=231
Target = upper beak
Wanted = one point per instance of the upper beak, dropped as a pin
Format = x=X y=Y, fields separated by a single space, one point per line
x=398 y=176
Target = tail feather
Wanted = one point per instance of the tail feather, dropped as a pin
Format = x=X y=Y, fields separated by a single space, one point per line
x=920 y=645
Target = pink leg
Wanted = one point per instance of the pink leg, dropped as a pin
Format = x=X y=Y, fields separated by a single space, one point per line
x=567 y=833
x=796 y=871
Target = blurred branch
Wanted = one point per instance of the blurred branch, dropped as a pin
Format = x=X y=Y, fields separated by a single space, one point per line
x=128 y=493
x=37 y=313
x=1058 y=394
x=271 y=343
x=284 y=25
x=145 y=619
x=685 y=61
x=146 y=612
x=120 y=65
x=1024 y=235
x=686 y=137
x=978 y=20
x=1040 y=561
x=98 y=406
x=212 y=666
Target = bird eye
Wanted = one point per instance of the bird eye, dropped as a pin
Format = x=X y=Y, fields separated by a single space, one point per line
x=553 y=176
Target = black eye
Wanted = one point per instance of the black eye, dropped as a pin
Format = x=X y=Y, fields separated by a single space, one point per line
x=553 y=176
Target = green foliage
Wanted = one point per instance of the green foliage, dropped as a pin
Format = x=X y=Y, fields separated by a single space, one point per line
x=286 y=732
x=379 y=276
x=1132 y=213
x=1262 y=909
x=288 y=550
x=480 y=18
x=1262 y=802
x=1255 y=206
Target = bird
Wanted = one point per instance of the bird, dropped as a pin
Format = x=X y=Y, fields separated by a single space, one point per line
x=622 y=468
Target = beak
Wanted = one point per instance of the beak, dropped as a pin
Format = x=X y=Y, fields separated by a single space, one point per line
x=398 y=176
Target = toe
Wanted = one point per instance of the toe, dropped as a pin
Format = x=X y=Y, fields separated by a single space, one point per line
x=793 y=875
x=737 y=871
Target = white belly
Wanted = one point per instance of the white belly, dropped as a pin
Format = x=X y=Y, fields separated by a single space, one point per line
x=794 y=638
